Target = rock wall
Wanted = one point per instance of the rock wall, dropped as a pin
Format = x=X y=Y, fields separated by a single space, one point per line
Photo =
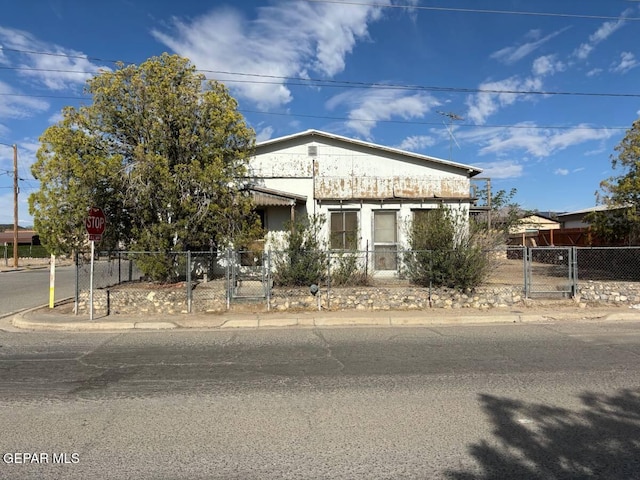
x=212 y=298
x=609 y=292
x=395 y=298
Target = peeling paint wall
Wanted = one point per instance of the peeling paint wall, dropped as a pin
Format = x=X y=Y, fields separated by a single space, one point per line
x=370 y=187
x=341 y=173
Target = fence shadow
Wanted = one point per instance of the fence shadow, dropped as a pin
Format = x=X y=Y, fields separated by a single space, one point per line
x=534 y=441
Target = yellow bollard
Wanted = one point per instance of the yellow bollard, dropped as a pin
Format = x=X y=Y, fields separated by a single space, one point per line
x=52 y=282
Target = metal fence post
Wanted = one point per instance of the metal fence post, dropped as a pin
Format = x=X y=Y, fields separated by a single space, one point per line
x=574 y=271
x=268 y=279
x=77 y=292
x=525 y=270
x=366 y=261
x=228 y=279
x=188 y=282
x=328 y=279
x=430 y=275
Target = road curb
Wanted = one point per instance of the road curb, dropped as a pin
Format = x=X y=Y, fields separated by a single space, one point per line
x=22 y=320
x=154 y=325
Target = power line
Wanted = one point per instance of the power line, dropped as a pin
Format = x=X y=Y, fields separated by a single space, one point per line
x=413 y=122
x=314 y=82
x=64 y=55
x=404 y=122
x=477 y=10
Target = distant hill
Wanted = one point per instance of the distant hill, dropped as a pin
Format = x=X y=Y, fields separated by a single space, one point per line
x=9 y=226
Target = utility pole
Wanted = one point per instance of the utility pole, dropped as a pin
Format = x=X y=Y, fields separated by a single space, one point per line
x=489 y=204
x=15 y=206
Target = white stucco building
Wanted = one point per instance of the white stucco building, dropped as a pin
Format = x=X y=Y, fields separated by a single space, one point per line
x=366 y=192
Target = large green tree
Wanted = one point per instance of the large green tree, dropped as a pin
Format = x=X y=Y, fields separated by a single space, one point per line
x=621 y=193
x=161 y=150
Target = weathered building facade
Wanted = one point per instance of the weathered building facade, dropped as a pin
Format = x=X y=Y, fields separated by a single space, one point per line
x=367 y=193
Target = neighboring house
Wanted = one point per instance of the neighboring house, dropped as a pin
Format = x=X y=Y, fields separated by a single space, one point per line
x=577 y=219
x=534 y=230
x=25 y=237
x=366 y=192
x=534 y=223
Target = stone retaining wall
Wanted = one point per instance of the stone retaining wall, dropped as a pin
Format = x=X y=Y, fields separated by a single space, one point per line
x=211 y=298
x=395 y=298
x=609 y=292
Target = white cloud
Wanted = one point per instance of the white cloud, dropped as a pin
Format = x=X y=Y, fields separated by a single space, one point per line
x=538 y=142
x=594 y=72
x=3 y=59
x=15 y=106
x=547 y=65
x=416 y=143
x=608 y=28
x=626 y=63
x=287 y=39
x=583 y=51
x=264 y=134
x=561 y=171
x=367 y=107
x=512 y=54
x=56 y=117
x=484 y=104
x=597 y=151
x=62 y=69
x=501 y=169
x=601 y=34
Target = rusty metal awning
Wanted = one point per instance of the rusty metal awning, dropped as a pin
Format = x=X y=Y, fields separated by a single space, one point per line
x=267 y=197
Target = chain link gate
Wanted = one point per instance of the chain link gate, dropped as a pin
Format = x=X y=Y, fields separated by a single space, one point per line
x=248 y=276
x=550 y=272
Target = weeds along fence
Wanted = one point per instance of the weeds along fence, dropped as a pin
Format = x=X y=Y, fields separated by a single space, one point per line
x=211 y=280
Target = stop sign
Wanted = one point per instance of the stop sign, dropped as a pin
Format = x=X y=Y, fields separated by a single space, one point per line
x=95 y=222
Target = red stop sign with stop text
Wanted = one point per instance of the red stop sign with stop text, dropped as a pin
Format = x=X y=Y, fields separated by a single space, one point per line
x=95 y=223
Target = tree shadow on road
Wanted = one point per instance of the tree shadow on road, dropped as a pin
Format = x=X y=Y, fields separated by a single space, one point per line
x=600 y=441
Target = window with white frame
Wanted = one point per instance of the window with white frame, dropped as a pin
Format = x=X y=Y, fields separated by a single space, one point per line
x=344 y=230
x=385 y=240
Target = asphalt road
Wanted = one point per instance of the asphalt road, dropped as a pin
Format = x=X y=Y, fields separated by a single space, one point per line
x=30 y=288
x=479 y=402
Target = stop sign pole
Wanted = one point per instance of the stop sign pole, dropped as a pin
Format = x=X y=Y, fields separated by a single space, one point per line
x=95 y=225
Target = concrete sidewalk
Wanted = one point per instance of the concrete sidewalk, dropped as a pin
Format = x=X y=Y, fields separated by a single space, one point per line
x=62 y=318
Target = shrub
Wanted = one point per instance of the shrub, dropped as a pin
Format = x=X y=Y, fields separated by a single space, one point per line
x=347 y=270
x=444 y=254
x=161 y=267
x=303 y=260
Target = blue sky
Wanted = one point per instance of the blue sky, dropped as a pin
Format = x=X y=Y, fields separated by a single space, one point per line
x=444 y=78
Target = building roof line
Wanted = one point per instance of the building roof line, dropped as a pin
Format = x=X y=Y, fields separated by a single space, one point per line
x=471 y=170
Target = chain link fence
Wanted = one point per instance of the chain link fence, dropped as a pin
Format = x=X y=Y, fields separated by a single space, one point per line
x=608 y=263
x=211 y=281
x=109 y=269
